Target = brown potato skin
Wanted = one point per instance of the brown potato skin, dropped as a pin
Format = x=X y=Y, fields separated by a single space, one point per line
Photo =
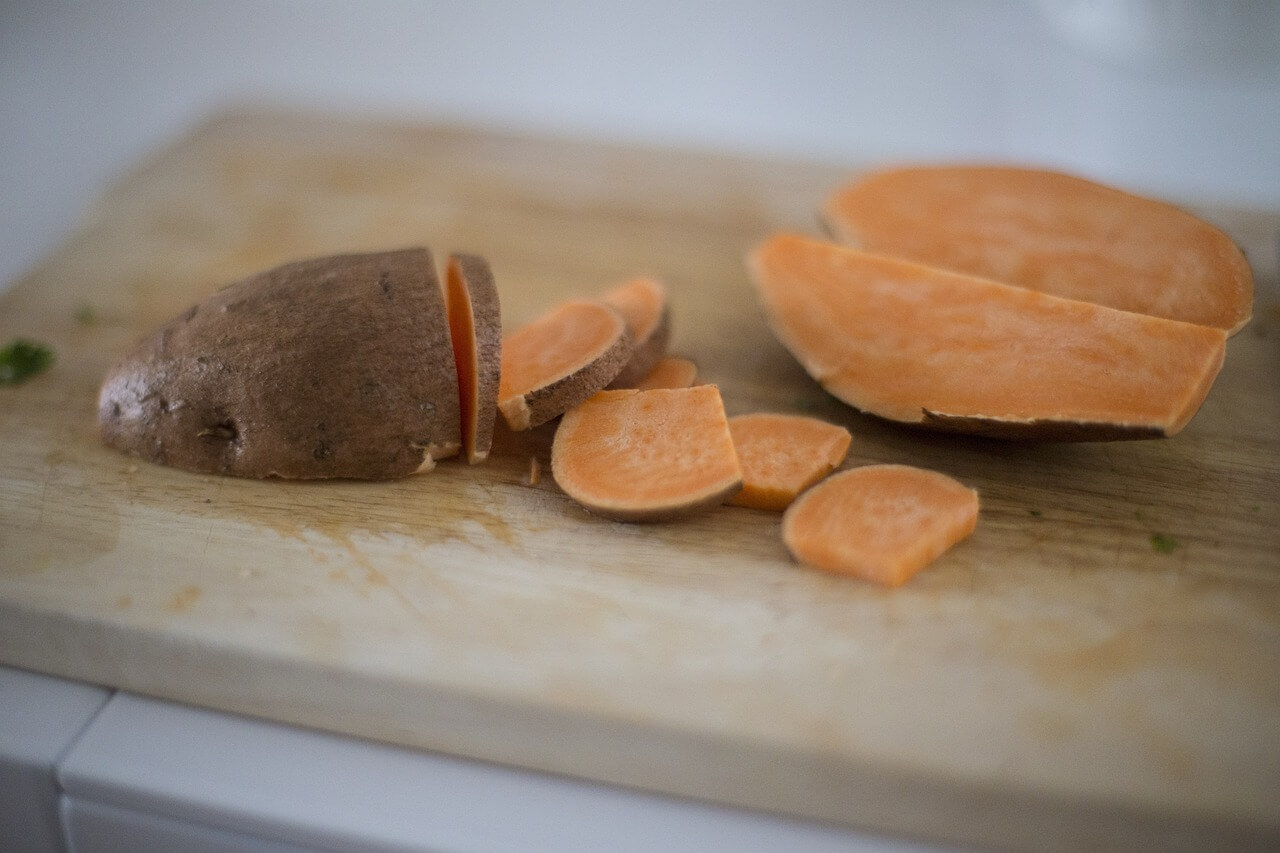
x=331 y=367
x=647 y=354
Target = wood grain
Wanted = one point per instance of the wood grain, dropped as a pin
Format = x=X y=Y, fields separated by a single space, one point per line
x=1054 y=682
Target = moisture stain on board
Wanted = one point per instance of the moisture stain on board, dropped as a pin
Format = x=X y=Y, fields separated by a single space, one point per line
x=184 y=599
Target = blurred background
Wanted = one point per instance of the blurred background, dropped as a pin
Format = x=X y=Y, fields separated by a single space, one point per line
x=1172 y=97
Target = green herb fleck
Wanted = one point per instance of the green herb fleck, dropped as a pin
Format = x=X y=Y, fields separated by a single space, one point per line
x=1163 y=542
x=805 y=404
x=1035 y=513
x=1255 y=508
x=22 y=359
x=1137 y=514
x=86 y=315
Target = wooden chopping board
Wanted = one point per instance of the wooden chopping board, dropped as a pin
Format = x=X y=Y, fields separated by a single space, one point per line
x=1055 y=681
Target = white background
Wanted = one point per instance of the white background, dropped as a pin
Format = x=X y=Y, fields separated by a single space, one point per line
x=1175 y=97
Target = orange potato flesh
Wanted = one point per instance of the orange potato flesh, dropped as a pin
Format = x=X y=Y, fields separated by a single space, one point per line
x=782 y=455
x=921 y=345
x=642 y=302
x=477 y=349
x=1053 y=233
x=671 y=372
x=560 y=359
x=647 y=455
x=881 y=523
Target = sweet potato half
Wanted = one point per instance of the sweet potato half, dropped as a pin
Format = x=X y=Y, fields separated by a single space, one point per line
x=926 y=346
x=332 y=367
x=1050 y=232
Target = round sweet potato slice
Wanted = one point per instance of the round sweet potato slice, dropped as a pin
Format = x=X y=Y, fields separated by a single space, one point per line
x=475 y=324
x=559 y=360
x=642 y=302
x=881 y=523
x=647 y=455
x=332 y=367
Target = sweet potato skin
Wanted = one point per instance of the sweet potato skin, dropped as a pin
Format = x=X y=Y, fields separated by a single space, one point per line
x=331 y=367
x=648 y=345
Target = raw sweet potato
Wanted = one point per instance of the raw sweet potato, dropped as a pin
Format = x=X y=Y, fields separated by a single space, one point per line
x=475 y=325
x=559 y=360
x=642 y=302
x=881 y=523
x=782 y=455
x=670 y=372
x=333 y=367
x=647 y=455
x=925 y=346
x=1050 y=232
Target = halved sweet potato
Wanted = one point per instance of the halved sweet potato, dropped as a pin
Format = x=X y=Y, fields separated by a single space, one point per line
x=647 y=455
x=475 y=325
x=557 y=361
x=1050 y=232
x=926 y=346
x=881 y=523
x=332 y=367
x=642 y=302
x=782 y=455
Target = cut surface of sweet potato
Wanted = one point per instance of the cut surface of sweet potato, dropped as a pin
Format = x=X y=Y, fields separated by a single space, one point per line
x=670 y=372
x=782 y=455
x=1053 y=233
x=927 y=346
x=475 y=325
x=647 y=455
x=642 y=302
x=881 y=523
x=332 y=367
x=557 y=361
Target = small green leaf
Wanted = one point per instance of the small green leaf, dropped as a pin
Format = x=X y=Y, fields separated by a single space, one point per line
x=1163 y=542
x=86 y=315
x=22 y=359
x=1035 y=513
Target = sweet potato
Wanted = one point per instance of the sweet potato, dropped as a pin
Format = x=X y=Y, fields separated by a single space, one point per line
x=946 y=350
x=1050 y=232
x=647 y=455
x=670 y=372
x=782 y=455
x=332 y=367
x=559 y=360
x=881 y=523
x=475 y=325
x=642 y=302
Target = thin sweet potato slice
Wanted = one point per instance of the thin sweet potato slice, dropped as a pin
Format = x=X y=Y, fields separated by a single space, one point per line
x=670 y=372
x=1050 y=232
x=926 y=346
x=330 y=367
x=475 y=325
x=782 y=455
x=647 y=455
x=559 y=360
x=881 y=523
x=642 y=302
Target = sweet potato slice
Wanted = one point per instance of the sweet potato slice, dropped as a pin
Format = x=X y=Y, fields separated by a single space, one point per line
x=926 y=346
x=671 y=372
x=1050 y=232
x=475 y=324
x=559 y=360
x=642 y=302
x=332 y=367
x=647 y=455
x=881 y=523
x=782 y=455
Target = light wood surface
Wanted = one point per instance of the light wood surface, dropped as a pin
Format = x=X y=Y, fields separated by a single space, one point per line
x=1054 y=682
